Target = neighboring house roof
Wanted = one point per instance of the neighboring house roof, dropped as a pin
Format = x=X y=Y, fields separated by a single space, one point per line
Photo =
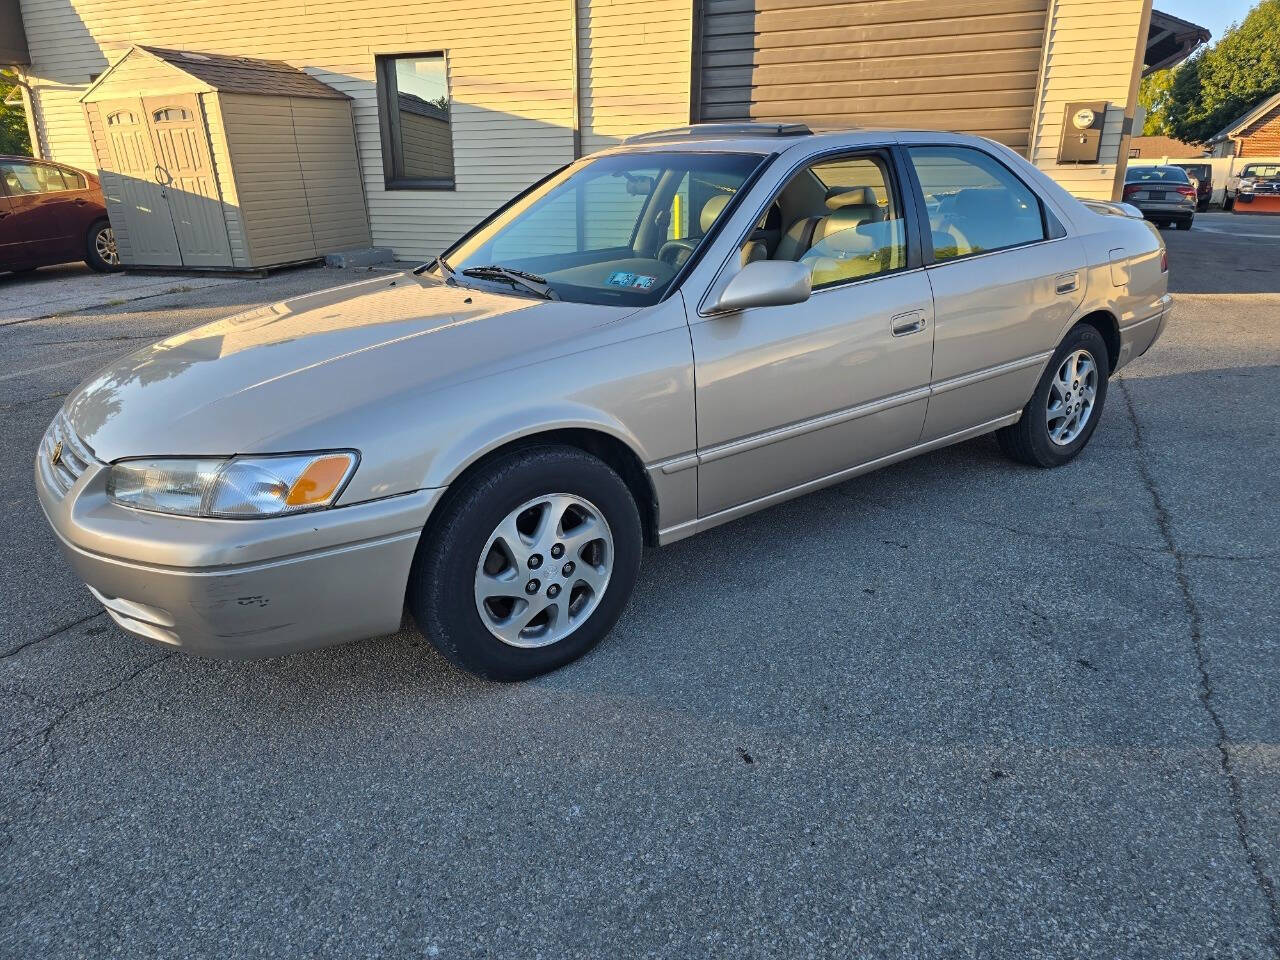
x=1237 y=125
x=1170 y=40
x=227 y=74
x=1163 y=147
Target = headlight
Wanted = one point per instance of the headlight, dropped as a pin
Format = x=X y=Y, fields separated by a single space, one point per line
x=1246 y=186
x=236 y=487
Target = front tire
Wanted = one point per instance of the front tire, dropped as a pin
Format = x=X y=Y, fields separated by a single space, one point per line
x=100 y=248
x=1063 y=412
x=529 y=565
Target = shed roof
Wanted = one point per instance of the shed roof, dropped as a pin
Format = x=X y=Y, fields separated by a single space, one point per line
x=228 y=74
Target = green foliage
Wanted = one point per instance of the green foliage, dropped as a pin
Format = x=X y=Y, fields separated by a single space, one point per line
x=1154 y=97
x=13 y=120
x=1221 y=82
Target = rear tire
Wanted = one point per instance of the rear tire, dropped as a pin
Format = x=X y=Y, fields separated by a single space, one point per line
x=100 y=248
x=466 y=551
x=1185 y=224
x=1032 y=439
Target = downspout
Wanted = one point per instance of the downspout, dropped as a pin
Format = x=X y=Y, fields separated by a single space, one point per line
x=29 y=108
x=577 y=68
x=1126 y=131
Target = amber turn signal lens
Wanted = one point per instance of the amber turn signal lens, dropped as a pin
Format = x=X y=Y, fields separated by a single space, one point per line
x=319 y=480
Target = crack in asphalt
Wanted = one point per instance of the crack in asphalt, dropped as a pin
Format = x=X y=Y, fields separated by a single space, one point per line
x=52 y=633
x=1223 y=741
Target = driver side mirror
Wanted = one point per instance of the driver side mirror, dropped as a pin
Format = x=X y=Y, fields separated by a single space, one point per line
x=765 y=283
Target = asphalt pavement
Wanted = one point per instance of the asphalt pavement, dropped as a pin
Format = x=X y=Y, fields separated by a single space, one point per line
x=956 y=708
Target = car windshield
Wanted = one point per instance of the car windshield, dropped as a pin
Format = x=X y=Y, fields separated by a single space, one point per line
x=611 y=230
x=1156 y=174
x=1265 y=170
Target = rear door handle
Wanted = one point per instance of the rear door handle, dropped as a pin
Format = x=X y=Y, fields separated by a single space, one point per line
x=1066 y=282
x=907 y=323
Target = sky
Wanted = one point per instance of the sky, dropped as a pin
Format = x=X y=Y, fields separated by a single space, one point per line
x=1217 y=15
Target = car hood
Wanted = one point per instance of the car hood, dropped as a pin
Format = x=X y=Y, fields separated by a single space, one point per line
x=272 y=379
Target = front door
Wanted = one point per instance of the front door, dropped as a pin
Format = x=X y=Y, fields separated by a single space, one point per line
x=792 y=395
x=185 y=173
x=1006 y=280
x=142 y=203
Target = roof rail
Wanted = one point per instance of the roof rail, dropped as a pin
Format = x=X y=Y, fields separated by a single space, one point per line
x=697 y=131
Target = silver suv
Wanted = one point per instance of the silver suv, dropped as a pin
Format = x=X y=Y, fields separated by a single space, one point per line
x=660 y=338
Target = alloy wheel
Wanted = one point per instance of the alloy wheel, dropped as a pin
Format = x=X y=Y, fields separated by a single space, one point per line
x=1071 y=397
x=544 y=570
x=104 y=245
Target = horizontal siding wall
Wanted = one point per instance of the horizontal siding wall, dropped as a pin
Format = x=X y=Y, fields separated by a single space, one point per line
x=969 y=65
x=633 y=67
x=510 y=71
x=330 y=174
x=1089 y=55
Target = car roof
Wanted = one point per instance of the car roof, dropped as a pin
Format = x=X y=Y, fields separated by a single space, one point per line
x=740 y=138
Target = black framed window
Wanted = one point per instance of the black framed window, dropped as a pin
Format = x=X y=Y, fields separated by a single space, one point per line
x=975 y=204
x=414 y=115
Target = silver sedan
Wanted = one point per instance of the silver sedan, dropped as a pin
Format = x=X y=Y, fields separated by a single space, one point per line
x=659 y=338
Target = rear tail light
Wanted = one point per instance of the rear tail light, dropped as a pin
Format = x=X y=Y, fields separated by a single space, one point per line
x=1187 y=191
x=1130 y=189
x=1164 y=261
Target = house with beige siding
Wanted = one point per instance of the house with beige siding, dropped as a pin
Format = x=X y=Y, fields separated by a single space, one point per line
x=457 y=105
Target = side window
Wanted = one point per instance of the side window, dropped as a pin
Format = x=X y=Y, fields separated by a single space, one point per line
x=975 y=204
x=840 y=216
x=28 y=178
x=415 y=116
x=74 y=180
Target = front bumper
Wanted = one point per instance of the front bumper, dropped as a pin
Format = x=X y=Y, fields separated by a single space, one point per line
x=239 y=588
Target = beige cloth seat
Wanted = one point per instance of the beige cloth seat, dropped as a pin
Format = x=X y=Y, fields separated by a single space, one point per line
x=854 y=206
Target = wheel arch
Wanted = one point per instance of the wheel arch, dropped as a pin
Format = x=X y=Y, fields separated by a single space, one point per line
x=1105 y=322
x=613 y=450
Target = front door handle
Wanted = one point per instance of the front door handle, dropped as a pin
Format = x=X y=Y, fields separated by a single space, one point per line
x=1066 y=282
x=907 y=323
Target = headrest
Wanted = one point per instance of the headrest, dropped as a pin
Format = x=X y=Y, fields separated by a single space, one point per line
x=841 y=197
x=712 y=209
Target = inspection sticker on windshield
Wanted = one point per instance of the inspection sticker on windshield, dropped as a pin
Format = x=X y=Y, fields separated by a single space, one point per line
x=623 y=279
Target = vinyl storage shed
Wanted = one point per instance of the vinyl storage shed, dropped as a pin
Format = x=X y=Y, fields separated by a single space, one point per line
x=217 y=162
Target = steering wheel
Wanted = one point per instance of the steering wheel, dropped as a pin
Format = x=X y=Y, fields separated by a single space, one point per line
x=670 y=251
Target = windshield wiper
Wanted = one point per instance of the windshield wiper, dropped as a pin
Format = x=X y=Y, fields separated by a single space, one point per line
x=446 y=271
x=530 y=281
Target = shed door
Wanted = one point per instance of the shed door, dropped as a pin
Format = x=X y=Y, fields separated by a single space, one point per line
x=145 y=208
x=969 y=65
x=185 y=171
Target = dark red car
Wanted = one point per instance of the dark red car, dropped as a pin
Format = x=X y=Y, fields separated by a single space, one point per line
x=51 y=213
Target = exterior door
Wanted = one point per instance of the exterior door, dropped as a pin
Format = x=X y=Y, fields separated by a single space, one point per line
x=185 y=173
x=1006 y=279
x=794 y=394
x=145 y=209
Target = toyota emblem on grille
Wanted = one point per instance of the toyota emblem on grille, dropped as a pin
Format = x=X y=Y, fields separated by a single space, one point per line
x=56 y=457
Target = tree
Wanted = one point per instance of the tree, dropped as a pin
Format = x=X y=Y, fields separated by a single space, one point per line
x=1226 y=80
x=1154 y=97
x=13 y=119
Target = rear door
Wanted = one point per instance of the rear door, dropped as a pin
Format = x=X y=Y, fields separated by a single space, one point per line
x=34 y=221
x=1006 y=279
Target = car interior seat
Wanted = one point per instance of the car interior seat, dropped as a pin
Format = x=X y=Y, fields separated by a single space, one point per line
x=848 y=208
